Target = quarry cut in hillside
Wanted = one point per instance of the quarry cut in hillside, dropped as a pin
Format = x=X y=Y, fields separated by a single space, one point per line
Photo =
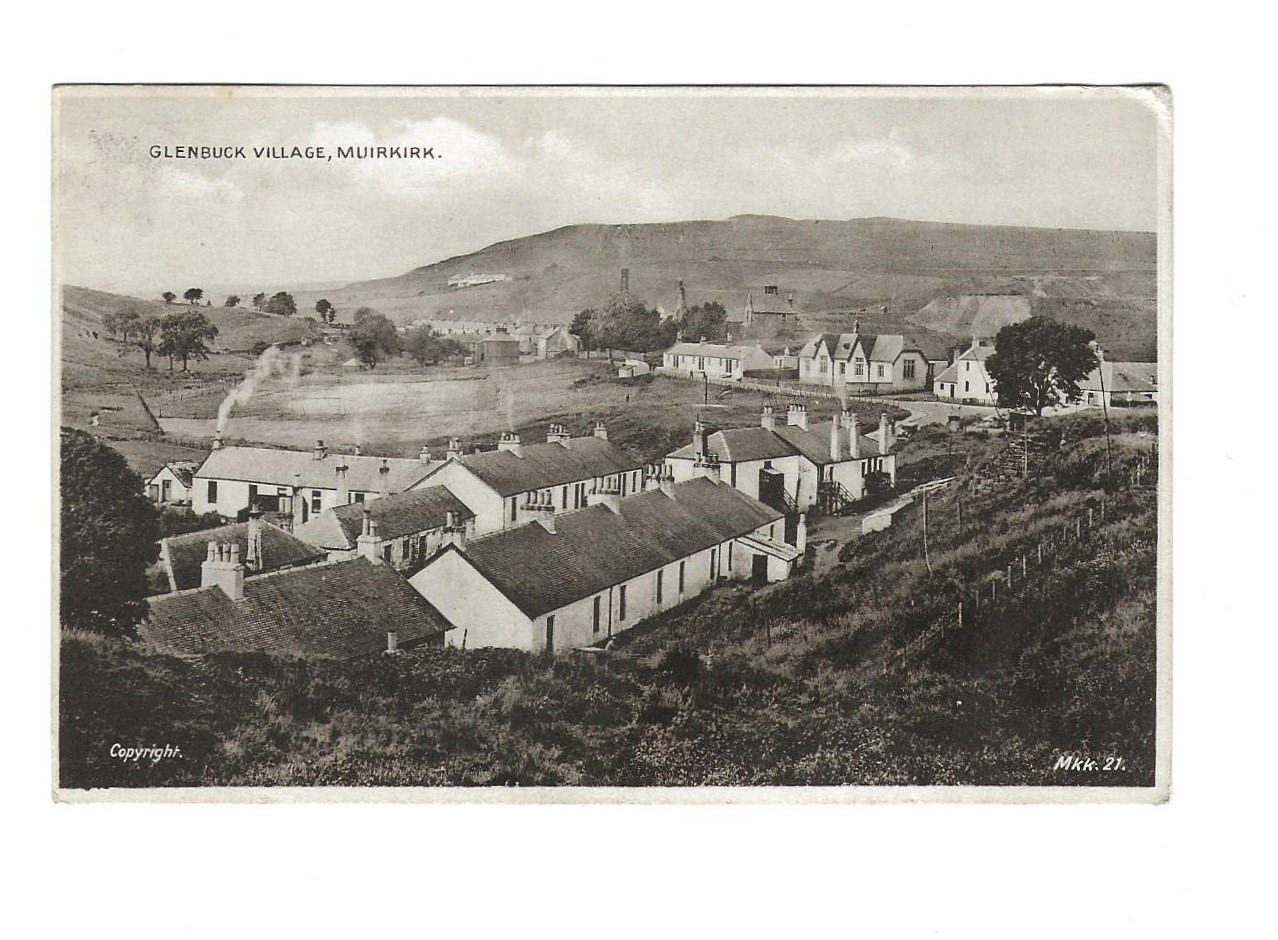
x=973 y=314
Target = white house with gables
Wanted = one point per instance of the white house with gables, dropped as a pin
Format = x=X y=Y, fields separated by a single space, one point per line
x=967 y=379
x=876 y=363
x=796 y=465
x=576 y=579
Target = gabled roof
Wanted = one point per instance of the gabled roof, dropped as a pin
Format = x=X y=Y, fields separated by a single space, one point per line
x=274 y=467
x=542 y=466
x=182 y=555
x=336 y=610
x=396 y=516
x=949 y=374
x=593 y=549
x=499 y=338
x=769 y=303
x=737 y=445
x=1123 y=377
x=182 y=470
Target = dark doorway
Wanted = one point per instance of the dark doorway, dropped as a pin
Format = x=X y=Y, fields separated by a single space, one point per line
x=759 y=569
x=772 y=489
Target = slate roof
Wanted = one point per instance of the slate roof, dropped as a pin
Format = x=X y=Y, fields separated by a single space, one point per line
x=769 y=303
x=758 y=443
x=402 y=514
x=593 y=549
x=182 y=555
x=183 y=470
x=714 y=350
x=334 y=610
x=1124 y=377
x=274 y=467
x=542 y=466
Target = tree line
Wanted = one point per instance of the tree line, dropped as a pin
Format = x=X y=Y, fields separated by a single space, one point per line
x=627 y=322
x=180 y=336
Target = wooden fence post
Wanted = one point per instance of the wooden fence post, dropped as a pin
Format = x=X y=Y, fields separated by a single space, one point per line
x=1009 y=577
x=960 y=615
x=1024 y=571
x=1040 y=554
x=1089 y=517
x=1078 y=528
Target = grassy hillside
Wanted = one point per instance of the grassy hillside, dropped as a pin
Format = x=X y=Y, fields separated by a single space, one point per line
x=856 y=265
x=783 y=686
x=90 y=356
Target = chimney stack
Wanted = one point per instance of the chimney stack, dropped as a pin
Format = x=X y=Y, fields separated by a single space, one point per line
x=602 y=495
x=558 y=434
x=801 y=533
x=854 y=434
x=217 y=439
x=884 y=434
x=454 y=449
x=369 y=542
x=707 y=465
x=383 y=479
x=320 y=451
x=667 y=483
x=835 y=427
x=222 y=569
x=254 y=559
x=768 y=419
x=392 y=642
x=356 y=451
x=601 y=431
x=424 y=455
x=797 y=416
x=343 y=492
x=699 y=436
x=454 y=530
x=509 y=443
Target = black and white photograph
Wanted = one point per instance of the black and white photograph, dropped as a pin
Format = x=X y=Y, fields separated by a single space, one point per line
x=612 y=444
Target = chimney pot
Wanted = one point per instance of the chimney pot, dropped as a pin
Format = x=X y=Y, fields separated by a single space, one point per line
x=601 y=431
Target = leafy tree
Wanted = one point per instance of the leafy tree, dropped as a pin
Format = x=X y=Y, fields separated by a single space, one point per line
x=193 y=295
x=233 y=300
x=361 y=313
x=108 y=538
x=327 y=312
x=169 y=296
x=1040 y=361
x=120 y=323
x=375 y=338
x=282 y=303
x=143 y=333
x=183 y=336
x=709 y=320
x=428 y=348
x=582 y=327
x=627 y=323
x=259 y=299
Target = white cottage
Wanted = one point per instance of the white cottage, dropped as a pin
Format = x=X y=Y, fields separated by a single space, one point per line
x=579 y=578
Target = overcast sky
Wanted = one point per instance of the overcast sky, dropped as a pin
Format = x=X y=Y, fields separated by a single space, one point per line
x=514 y=164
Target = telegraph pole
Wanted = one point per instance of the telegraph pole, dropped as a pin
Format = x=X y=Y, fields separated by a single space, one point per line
x=926 y=557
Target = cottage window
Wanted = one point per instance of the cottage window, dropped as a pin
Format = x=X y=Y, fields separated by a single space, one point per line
x=550 y=634
x=317 y=501
x=701 y=363
x=879 y=373
x=908 y=369
x=967 y=386
x=858 y=367
x=212 y=491
x=967 y=367
x=728 y=552
x=822 y=361
x=681 y=567
x=660 y=578
x=565 y=498
x=597 y=599
x=252 y=492
x=621 y=603
x=843 y=368
x=714 y=568
x=359 y=497
x=987 y=387
x=513 y=501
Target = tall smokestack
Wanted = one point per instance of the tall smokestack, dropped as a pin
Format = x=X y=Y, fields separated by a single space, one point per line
x=854 y=434
x=835 y=424
x=383 y=477
x=884 y=441
x=217 y=439
x=343 y=492
x=698 y=437
x=254 y=559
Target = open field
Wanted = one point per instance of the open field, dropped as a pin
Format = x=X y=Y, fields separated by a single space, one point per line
x=396 y=412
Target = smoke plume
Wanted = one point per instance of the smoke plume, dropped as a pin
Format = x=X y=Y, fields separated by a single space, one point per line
x=271 y=363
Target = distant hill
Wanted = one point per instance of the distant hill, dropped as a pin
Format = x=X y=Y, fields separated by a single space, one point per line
x=830 y=266
x=90 y=356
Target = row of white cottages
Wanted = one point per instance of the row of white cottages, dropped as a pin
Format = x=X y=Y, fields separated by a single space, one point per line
x=540 y=547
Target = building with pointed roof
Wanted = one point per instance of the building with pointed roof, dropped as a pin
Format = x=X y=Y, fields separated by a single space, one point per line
x=518 y=482
x=580 y=578
x=966 y=379
x=717 y=360
x=171 y=484
x=333 y=610
x=796 y=465
x=875 y=363
x=263 y=546
x=1120 y=384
